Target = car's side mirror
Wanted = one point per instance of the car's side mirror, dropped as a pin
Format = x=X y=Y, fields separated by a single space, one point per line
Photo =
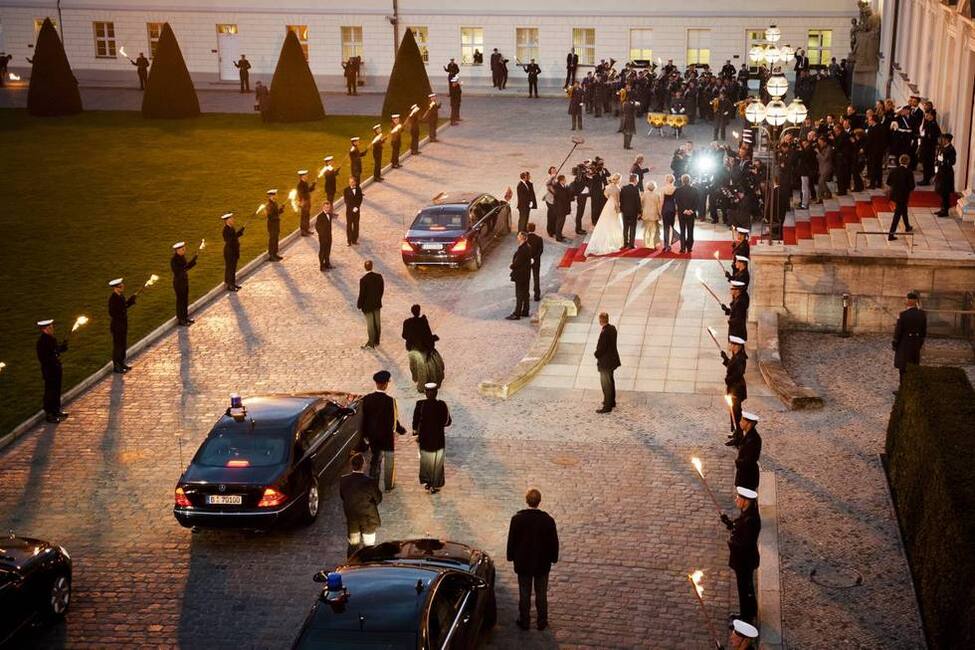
x=479 y=583
x=321 y=576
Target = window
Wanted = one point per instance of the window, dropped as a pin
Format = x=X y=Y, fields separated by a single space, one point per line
x=153 y=31
x=301 y=31
x=351 y=42
x=640 y=40
x=420 y=34
x=226 y=28
x=104 y=40
x=526 y=44
x=584 y=42
x=471 y=45
x=698 y=46
x=819 y=46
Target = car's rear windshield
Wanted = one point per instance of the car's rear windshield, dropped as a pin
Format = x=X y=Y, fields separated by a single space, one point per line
x=441 y=218
x=242 y=448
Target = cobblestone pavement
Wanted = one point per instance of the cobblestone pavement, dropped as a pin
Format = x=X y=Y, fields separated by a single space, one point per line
x=633 y=519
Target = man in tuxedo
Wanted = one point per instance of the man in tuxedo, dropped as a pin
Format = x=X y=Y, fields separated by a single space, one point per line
x=380 y=420
x=521 y=268
x=231 y=251
x=607 y=361
x=687 y=202
x=323 y=226
x=526 y=200
x=370 y=303
x=353 y=201
x=533 y=547
x=537 y=246
x=571 y=64
x=900 y=184
x=563 y=205
x=361 y=497
x=630 y=206
x=580 y=192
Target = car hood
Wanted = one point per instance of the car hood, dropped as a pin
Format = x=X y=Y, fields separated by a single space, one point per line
x=202 y=474
x=20 y=551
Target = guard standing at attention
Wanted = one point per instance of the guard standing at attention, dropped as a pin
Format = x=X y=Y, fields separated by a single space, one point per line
x=141 y=64
x=323 y=226
x=741 y=246
x=273 y=211
x=231 y=252
x=304 y=201
x=734 y=381
x=749 y=451
x=49 y=353
x=909 y=334
x=533 y=70
x=118 y=312
x=738 y=311
x=739 y=270
x=180 y=266
x=395 y=140
x=377 y=153
x=743 y=546
x=432 y=116
x=944 y=176
x=355 y=159
x=414 y=120
x=331 y=174
x=455 y=97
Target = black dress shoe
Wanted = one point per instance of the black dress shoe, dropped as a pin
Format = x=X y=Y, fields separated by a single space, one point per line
x=541 y=625
x=63 y=414
x=605 y=409
x=891 y=238
x=52 y=419
x=731 y=443
x=941 y=214
x=522 y=625
x=233 y=288
x=118 y=370
x=512 y=317
x=126 y=366
x=580 y=232
x=190 y=321
x=537 y=298
x=909 y=229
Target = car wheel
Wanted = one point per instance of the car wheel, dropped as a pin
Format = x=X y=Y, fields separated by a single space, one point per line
x=58 y=597
x=475 y=262
x=312 y=503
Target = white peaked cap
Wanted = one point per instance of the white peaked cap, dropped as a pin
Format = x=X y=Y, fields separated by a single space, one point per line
x=742 y=258
x=271 y=192
x=743 y=231
x=226 y=216
x=377 y=126
x=429 y=385
x=746 y=630
x=737 y=339
x=748 y=415
x=115 y=282
x=354 y=138
x=432 y=95
x=179 y=244
x=395 y=115
x=737 y=284
x=746 y=493
x=45 y=322
x=302 y=172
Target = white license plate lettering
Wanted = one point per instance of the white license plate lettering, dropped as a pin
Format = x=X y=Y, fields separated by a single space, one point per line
x=432 y=247
x=224 y=499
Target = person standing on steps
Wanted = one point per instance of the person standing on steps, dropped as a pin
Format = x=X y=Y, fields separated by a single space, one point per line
x=521 y=268
x=944 y=176
x=370 y=303
x=533 y=547
x=243 y=67
x=118 y=312
x=900 y=184
x=607 y=361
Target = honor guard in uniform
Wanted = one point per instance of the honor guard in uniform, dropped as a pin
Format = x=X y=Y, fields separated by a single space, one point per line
x=739 y=271
x=432 y=115
x=142 y=69
x=377 y=153
x=741 y=246
x=395 y=140
x=944 y=175
x=414 y=119
x=743 y=546
x=743 y=636
x=749 y=451
x=274 y=210
x=243 y=68
x=180 y=266
x=909 y=334
x=118 y=312
x=533 y=70
x=455 y=98
x=737 y=311
x=734 y=381
x=331 y=174
x=49 y=352
x=304 y=201
x=231 y=251
x=323 y=226
x=355 y=159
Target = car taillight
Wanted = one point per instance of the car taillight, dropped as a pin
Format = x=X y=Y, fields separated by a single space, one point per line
x=460 y=246
x=271 y=498
x=181 y=499
x=406 y=247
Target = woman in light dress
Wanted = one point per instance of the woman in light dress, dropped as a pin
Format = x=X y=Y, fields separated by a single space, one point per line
x=651 y=203
x=607 y=236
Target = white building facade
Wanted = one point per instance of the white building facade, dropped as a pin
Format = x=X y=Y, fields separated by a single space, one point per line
x=213 y=34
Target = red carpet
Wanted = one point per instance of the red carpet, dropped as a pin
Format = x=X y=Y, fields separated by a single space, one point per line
x=703 y=250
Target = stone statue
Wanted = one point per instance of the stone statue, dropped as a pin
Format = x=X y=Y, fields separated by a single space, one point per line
x=865 y=41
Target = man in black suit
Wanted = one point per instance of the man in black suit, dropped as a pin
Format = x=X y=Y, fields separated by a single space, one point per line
x=243 y=68
x=580 y=192
x=632 y=207
x=361 y=497
x=900 y=184
x=944 y=176
x=571 y=64
x=370 y=303
x=533 y=547
x=537 y=246
x=118 y=312
x=380 y=419
x=231 y=252
x=526 y=200
x=743 y=546
x=876 y=145
x=909 y=334
x=353 y=201
x=738 y=311
x=420 y=341
x=607 y=361
x=749 y=451
x=929 y=135
x=323 y=226
x=687 y=202
x=563 y=205
x=533 y=70
x=521 y=268
x=49 y=352
x=452 y=69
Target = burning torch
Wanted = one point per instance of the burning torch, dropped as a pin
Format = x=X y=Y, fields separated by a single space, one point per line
x=705 y=285
x=718 y=260
x=78 y=324
x=695 y=580
x=153 y=279
x=696 y=462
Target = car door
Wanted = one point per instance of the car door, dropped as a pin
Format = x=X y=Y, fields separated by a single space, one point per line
x=13 y=604
x=451 y=620
x=477 y=222
x=338 y=439
x=311 y=439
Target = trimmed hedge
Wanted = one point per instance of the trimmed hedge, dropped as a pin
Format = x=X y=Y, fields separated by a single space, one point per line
x=294 y=96
x=930 y=461
x=169 y=90
x=408 y=81
x=53 y=88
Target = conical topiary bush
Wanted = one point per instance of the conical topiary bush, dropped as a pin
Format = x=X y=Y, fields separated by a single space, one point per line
x=53 y=87
x=169 y=92
x=408 y=82
x=294 y=96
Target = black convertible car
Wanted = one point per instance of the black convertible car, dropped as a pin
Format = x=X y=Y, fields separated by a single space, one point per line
x=264 y=461
x=456 y=230
x=35 y=585
x=420 y=594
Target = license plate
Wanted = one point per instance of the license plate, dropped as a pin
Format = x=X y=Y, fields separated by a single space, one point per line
x=224 y=499
x=432 y=247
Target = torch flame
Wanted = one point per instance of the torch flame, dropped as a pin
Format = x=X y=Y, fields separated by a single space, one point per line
x=121 y=51
x=261 y=208
x=696 y=462
x=203 y=243
x=2 y=365
x=81 y=320
x=729 y=401
x=152 y=280
x=696 y=579
x=13 y=77
x=293 y=197
x=716 y=255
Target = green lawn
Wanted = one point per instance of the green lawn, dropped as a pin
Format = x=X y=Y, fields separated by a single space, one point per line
x=91 y=197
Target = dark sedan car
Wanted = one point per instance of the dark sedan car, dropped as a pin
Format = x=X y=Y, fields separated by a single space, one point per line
x=264 y=461
x=35 y=586
x=420 y=594
x=456 y=230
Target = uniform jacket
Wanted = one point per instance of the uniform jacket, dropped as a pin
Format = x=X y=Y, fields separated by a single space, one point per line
x=430 y=417
x=746 y=464
x=330 y=176
x=371 y=289
x=231 y=242
x=417 y=334
x=909 y=334
x=179 y=265
x=526 y=195
x=738 y=316
x=901 y=183
x=742 y=248
x=360 y=497
x=734 y=375
x=740 y=276
x=533 y=542
x=607 y=355
x=379 y=420
x=355 y=161
x=944 y=177
x=118 y=307
x=744 y=540
x=49 y=353
x=273 y=210
x=521 y=264
x=305 y=190
x=353 y=200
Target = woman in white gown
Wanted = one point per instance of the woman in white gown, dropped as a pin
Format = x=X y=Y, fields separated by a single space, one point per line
x=607 y=236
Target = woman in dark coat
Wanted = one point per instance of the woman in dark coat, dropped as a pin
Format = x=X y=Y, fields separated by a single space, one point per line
x=430 y=418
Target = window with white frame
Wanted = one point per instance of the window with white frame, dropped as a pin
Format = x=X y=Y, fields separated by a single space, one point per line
x=526 y=44
x=301 y=31
x=351 y=42
x=153 y=32
x=584 y=42
x=641 y=44
x=819 y=46
x=471 y=45
x=420 y=36
x=698 y=46
x=104 y=40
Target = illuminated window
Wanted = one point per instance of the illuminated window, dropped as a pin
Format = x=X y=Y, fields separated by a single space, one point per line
x=526 y=44
x=819 y=46
x=584 y=41
x=471 y=45
x=104 y=40
x=698 y=46
x=226 y=28
x=351 y=42
x=640 y=44
x=420 y=35
x=301 y=31
x=153 y=31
